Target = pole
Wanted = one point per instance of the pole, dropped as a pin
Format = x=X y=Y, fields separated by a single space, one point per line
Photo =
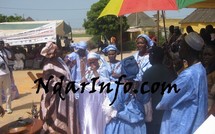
x=164 y=25
x=136 y=18
x=158 y=27
x=121 y=36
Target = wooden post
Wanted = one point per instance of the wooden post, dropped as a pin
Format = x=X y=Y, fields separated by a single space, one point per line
x=158 y=27
x=164 y=25
x=121 y=36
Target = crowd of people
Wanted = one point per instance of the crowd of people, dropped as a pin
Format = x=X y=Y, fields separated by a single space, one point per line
x=184 y=60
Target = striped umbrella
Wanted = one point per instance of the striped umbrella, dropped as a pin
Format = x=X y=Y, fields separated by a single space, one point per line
x=122 y=7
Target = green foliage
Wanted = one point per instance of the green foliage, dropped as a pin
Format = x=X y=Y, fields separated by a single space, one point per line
x=4 y=18
x=106 y=26
x=129 y=46
x=93 y=42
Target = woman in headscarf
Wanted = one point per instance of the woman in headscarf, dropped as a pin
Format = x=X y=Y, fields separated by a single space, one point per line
x=126 y=115
x=58 y=115
x=92 y=119
x=143 y=43
x=114 y=65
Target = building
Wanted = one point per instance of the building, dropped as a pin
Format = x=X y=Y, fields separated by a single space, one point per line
x=198 y=19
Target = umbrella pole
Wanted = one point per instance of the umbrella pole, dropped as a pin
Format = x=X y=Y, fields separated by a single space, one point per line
x=164 y=25
x=158 y=26
x=121 y=36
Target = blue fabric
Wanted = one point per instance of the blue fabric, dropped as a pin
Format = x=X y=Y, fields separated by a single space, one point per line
x=110 y=47
x=75 y=71
x=114 y=68
x=143 y=63
x=186 y=110
x=130 y=113
x=72 y=56
x=129 y=67
x=80 y=45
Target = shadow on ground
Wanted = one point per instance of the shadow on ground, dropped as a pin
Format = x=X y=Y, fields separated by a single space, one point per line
x=24 y=94
x=26 y=106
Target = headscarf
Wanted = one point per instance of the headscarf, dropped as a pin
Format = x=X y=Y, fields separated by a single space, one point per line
x=49 y=49
x=110 y=47
x=93 y=55
x=72 y=56
x=80 y=45
x=149 y=41
x=129 y=67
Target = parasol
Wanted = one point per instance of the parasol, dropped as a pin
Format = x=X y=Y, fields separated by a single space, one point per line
x=122 y=7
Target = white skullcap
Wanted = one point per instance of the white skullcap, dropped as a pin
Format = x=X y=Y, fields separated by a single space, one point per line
x=194 y=41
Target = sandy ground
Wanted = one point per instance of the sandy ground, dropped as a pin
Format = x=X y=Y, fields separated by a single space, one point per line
x=23 y=104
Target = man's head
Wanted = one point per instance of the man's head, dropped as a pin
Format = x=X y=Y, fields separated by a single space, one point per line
x=171 y=29
x=189 y=29
x=208 y=55
x=113 y=40
x=177 y=30
x=80 y=47
x=156 y=55
x=190 y=46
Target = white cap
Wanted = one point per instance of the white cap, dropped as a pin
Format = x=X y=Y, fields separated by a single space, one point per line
x=195 y=41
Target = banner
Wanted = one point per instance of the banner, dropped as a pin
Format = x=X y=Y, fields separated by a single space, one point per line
x=33 y=36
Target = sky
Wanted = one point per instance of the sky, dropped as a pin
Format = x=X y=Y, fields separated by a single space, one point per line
x=73 y=12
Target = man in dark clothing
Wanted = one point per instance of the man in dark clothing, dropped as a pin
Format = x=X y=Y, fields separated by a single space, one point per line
x=157 y=73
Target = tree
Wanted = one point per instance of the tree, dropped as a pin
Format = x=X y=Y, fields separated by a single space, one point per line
x=106 y=26
x=11 y=18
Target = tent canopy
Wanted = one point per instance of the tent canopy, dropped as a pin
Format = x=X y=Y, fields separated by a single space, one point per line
x=8 y=28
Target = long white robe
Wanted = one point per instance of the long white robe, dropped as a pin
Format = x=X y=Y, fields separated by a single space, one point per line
x=92 y=118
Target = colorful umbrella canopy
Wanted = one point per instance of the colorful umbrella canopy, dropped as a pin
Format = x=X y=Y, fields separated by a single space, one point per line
x=121 y=7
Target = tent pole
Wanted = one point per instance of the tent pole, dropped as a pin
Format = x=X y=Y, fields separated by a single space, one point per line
x=164 y=25
x=121 y=36
x=158 y=36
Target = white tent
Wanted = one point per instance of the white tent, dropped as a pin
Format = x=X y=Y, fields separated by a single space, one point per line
x=32 y=32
